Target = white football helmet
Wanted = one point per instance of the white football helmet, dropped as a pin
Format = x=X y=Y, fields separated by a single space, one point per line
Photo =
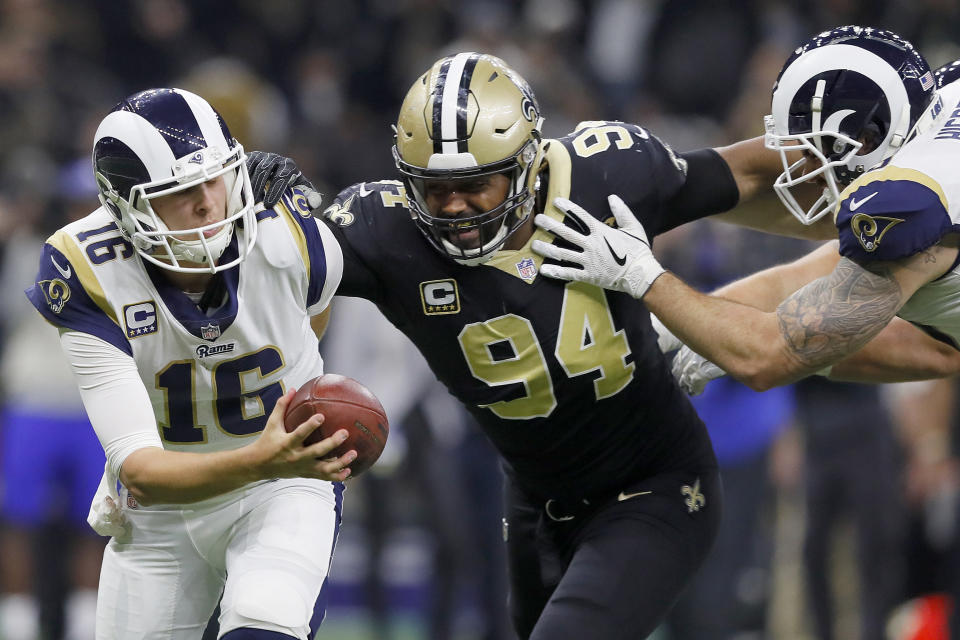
x=848 y=98
x=159 y=142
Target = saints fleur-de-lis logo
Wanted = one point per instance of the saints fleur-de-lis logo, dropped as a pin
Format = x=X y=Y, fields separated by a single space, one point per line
x=694 y=499
x=339 y=214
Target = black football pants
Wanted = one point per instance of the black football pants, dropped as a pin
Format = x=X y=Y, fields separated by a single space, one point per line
x=614 y=570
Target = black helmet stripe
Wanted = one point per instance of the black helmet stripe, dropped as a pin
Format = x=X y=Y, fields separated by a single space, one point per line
x=438 y=104
x=450 y=103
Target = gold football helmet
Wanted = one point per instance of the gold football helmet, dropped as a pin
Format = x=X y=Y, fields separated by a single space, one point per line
x=469 y=115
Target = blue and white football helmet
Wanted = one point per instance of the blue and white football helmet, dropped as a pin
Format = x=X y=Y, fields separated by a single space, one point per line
x=947 y=74
x=161 y=141
x=848 y=99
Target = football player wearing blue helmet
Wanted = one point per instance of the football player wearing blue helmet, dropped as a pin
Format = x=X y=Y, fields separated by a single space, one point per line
x=862 y=105
x=847 y=99
x=189 y=314
x=139 y=158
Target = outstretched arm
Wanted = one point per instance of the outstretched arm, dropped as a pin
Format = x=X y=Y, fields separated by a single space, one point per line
x=755 y=168
x=815 y=327
x=819 y=325
x=766 y=289
x=900 y=352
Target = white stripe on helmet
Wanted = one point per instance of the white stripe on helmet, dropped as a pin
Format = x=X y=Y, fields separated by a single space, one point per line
x=448 y=105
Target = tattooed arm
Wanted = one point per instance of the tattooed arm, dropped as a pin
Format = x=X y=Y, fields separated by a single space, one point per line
x=815 y=327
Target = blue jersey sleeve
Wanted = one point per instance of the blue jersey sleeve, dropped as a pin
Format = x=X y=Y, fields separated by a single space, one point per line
x=69 y=298
x=891 y=213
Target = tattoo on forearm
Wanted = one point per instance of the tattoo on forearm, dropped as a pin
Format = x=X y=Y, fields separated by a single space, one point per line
x=837 y=314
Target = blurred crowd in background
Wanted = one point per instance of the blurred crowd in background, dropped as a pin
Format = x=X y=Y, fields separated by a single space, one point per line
x=841 y=498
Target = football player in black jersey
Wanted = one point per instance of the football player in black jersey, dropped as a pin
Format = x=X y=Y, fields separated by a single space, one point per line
x=613 y=495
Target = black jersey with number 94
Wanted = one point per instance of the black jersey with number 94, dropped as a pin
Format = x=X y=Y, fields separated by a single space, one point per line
x=565 y=378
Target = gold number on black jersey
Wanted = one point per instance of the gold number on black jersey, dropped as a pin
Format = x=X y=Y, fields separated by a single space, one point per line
x=587 y=340
x=398 y=199
x=598 y=136
x=527 y=365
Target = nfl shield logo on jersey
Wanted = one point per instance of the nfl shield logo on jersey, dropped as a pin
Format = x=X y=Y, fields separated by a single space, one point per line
x=527 y=268
x=210 y=331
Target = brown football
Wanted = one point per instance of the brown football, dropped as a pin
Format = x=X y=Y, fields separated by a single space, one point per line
x=345 y=404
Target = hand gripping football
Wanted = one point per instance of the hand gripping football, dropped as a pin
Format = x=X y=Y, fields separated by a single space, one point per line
x=345 y=404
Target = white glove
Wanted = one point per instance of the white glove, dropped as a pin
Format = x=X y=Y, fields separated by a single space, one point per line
x=616 y=258
x=665 y=338
x=692 y=371
x=106 y=515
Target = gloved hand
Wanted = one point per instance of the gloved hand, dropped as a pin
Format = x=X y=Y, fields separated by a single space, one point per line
x=106 y=515
x=616 y=258
x=272 y=174
x=692 y=371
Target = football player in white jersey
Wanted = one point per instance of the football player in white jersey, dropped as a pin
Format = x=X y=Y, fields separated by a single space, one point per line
x=693 y=371
x=851 y=99
x=189 y=315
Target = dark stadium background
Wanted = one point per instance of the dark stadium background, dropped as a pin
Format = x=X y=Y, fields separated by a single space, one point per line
x=321 y=80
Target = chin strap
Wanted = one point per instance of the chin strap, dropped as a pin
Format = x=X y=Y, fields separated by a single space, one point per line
x=900 y=134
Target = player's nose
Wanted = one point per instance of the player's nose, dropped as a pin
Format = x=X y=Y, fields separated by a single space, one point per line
x=205 y=203
x=454 y=205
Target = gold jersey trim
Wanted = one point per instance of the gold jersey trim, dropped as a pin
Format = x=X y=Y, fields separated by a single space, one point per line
x=63 y=242
x=298 y=236
x=558 y=159
x=890 y=173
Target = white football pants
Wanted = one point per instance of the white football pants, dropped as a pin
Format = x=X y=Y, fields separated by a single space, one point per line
x=266 y=548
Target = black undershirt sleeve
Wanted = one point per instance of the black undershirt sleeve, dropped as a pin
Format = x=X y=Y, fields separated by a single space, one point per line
x=710 y=188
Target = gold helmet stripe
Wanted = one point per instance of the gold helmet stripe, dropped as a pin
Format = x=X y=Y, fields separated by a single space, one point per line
x=450 y=103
